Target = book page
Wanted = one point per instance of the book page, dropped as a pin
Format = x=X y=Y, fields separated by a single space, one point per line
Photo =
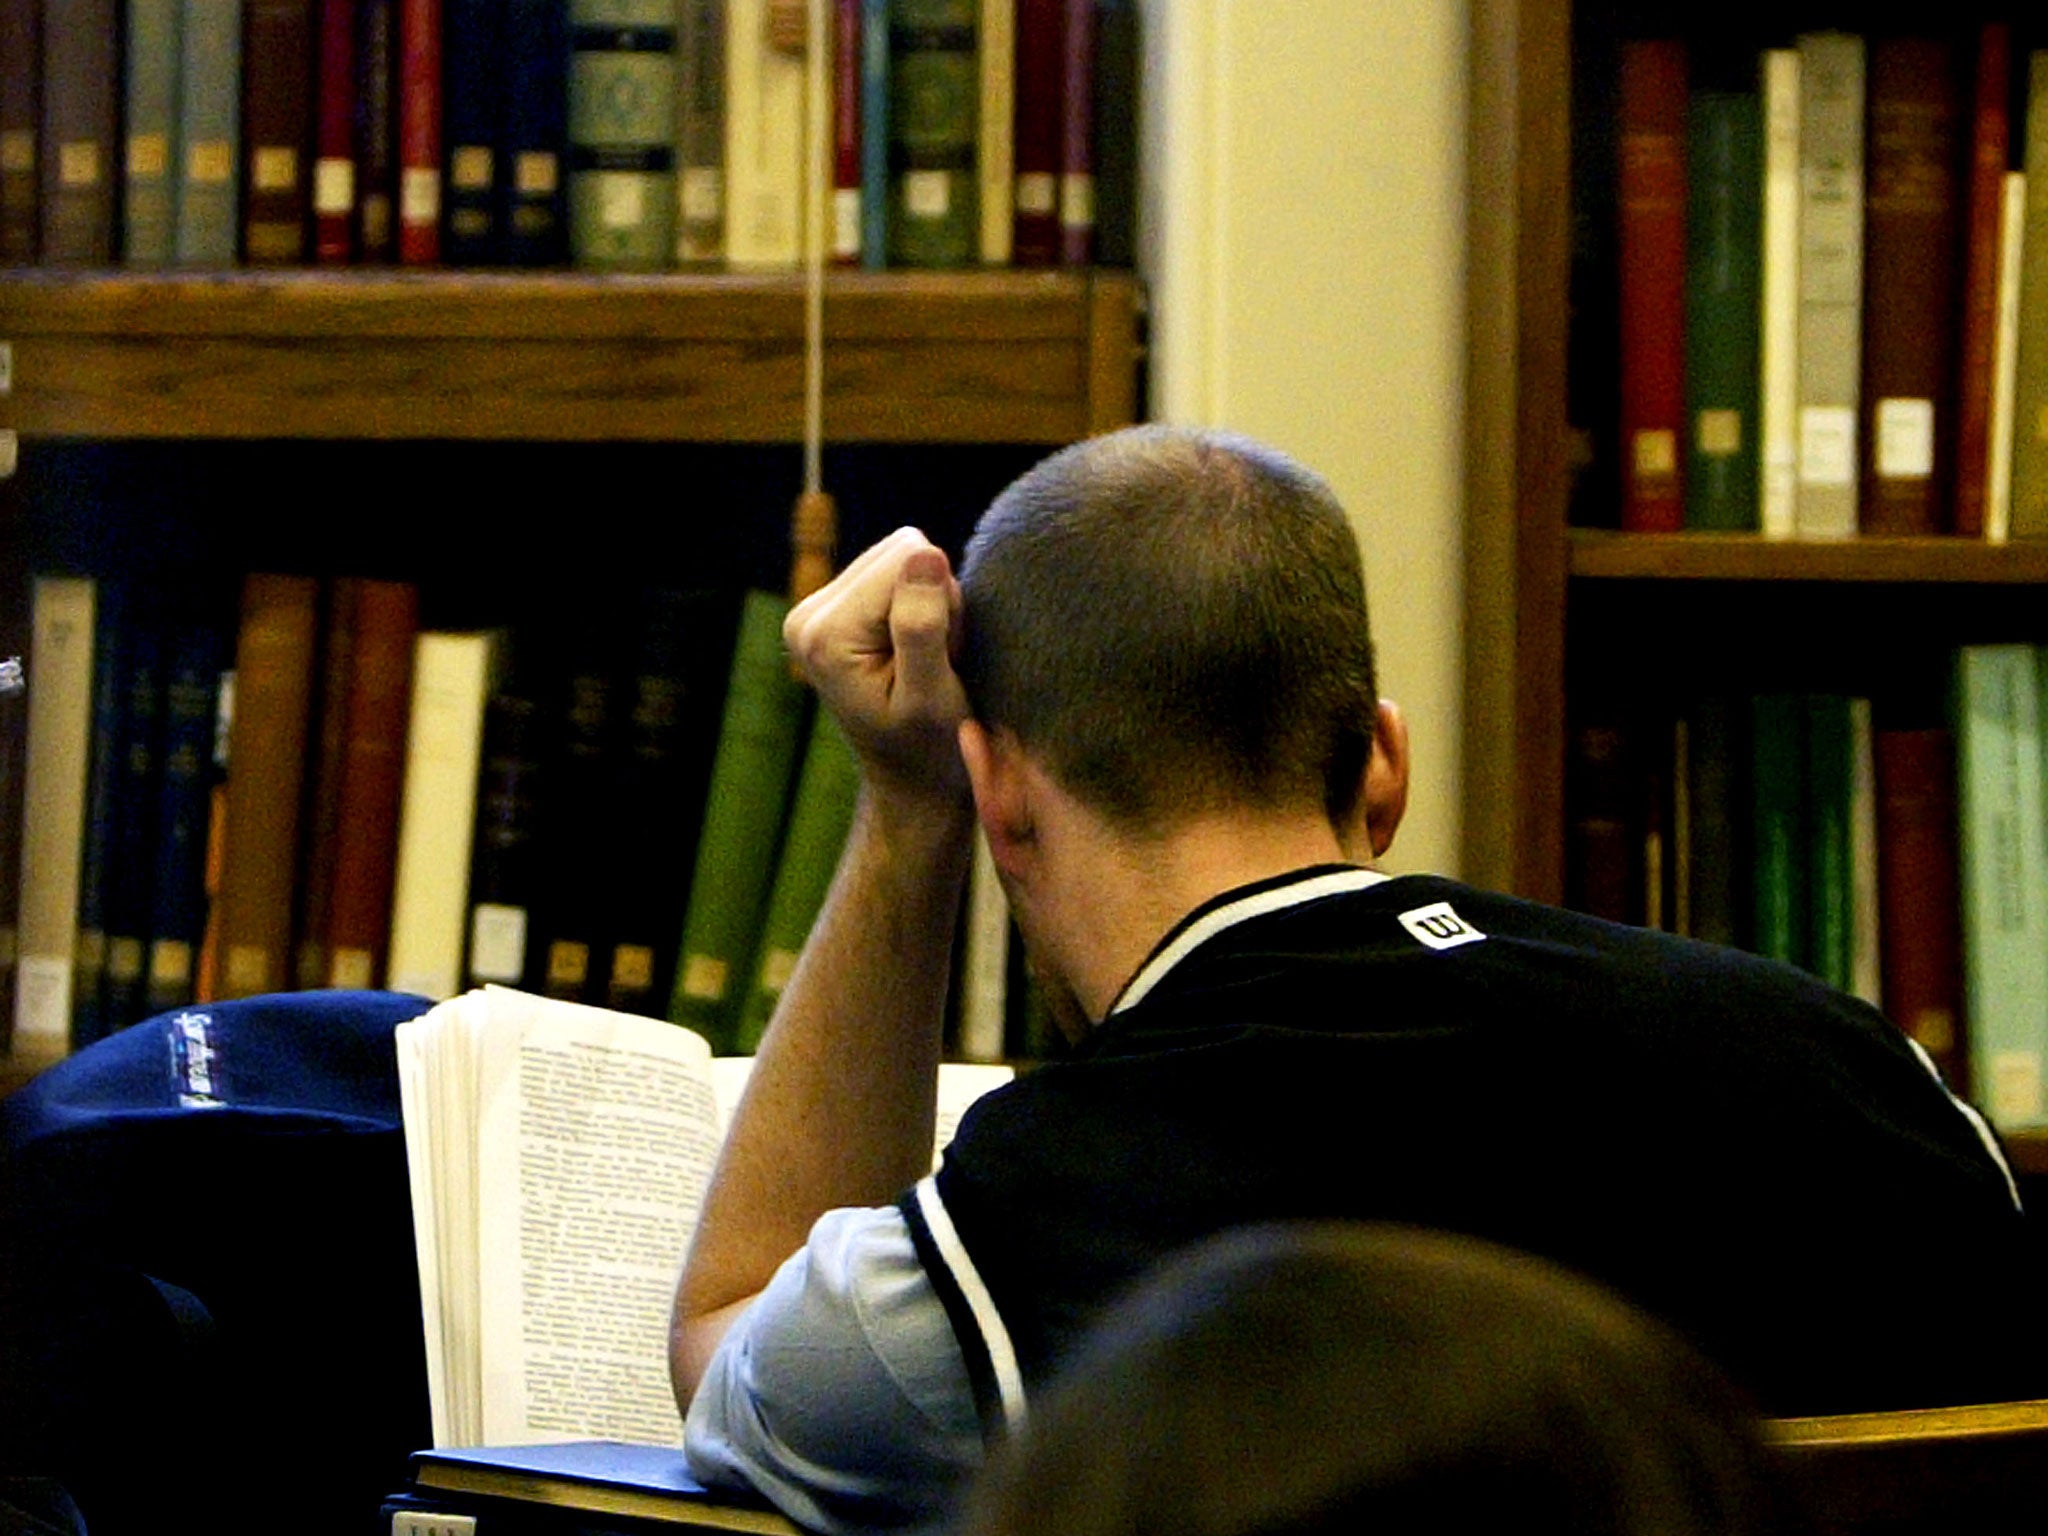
x=596 y=1136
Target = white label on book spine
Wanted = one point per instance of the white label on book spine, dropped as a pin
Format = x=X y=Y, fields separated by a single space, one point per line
x=704 y=977
x=350 y=967
x=846 y=223
x=170 y=963
x=1077 y=201
x=274 y=168
x=1656 y=453
x=777 y=966
x=78 y=164
x=18 y=150
x=927 y=194
x=1037 y=193
x=209 y=162
x=703 y=193
x=2015 y=1087
x=535 y=173
x=1720 y=433
x=469 y=167
x=6 y=368
x=42 y=999
x=497 y=942
x=1905 y=439
x=621 y=201
x=334 y=185
x=1827 y=445
x=149 y=155
x=10 y=453
x=419 y=195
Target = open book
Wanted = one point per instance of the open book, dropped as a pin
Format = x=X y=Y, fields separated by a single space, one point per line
x=558 y=1154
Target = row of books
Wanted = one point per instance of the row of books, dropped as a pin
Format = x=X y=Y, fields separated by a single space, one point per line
x=326 y=794
x=614 y=134
x=1831 y=284
x=1905 y=862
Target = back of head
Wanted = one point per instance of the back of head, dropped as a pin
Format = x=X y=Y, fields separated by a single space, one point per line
x=1175 y=621
x=1322 y=1378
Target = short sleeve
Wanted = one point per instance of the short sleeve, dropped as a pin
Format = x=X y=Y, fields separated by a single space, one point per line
x=840 y=1395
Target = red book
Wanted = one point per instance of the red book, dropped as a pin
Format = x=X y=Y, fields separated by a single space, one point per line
x=1917 y=906
x=1077 y=135
x=334 y=151
x=1990 y=151
x=419 y=132
x=1041 y=49
x=1650 y=195
x=1912 y=211
x=277 y=110
x=846 y=61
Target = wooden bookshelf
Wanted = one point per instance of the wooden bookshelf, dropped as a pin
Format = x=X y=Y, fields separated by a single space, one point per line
x=1000 y=356
x=1599 y=554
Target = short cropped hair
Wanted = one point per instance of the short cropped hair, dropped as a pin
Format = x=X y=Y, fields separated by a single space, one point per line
x=1175 y=620
x=1324 y=1379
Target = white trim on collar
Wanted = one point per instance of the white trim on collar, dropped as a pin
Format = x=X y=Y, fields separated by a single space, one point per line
x=1277 y=899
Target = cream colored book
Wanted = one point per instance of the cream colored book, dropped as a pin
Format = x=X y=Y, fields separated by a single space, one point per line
x=558 y=1155
x=764 y=142
x=2012 y=219
x=1778 y=403
x=995 y=156
x=451 y=682
x=985 y=960
x=53 y=810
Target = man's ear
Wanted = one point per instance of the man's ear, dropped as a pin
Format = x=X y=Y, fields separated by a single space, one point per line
x=1386 y=777
x=1001 y=797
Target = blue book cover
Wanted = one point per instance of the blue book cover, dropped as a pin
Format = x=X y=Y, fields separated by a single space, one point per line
x=533 y=217
x=150 y=89
x=472 y=77
x=874 y=133
x=196 y=655
x=89 y=954
x=130 y=857
x=210 y=146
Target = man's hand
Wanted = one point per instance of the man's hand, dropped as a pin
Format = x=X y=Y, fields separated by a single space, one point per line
x=877 y=643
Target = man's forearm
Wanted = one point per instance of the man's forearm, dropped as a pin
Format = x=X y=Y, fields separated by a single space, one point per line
x=838 y=1110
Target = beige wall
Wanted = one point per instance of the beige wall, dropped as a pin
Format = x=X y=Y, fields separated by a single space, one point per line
x=1304 y=240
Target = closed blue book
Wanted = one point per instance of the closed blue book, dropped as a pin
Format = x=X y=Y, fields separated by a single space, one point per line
x=533 y=217
x=130 y=838
x=209 y=120
x=874 y=133
x=150 y=111
x=89 y=953
x=196 y=654
x=471 y=80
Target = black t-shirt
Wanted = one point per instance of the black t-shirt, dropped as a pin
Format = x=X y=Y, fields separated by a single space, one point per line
x=1763 y=1161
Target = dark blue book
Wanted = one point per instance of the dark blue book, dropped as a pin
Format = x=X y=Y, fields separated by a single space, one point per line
x=471 y=132
x=570 y=1482
x=533 y=215
x=196 y=654
x=130 y=836
x=89 y=956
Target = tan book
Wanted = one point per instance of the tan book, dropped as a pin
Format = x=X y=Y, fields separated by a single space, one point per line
x=995 y=161
x=2028 y=517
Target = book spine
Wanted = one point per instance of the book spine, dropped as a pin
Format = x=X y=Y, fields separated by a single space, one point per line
x=764 y=113
x=1711 y=751
x=534 y=216
x=177 y=922
x=444 y=736
x=60 y=662
x=277 y=111
x=1976 y=352
x=131 y=852
x=2012 y=220
x=2002 y=846
x=150 y=87
x=759 y=736
x=372 y=773
x=1118 y=66
x=985 y=961
x=933 y=83
x=820 y=814
x=16 y=625
x=1829 y=888
x=1778 y=814
x=334 y=134
x=472 y=78
x=573 y=920
x=1921 y=944
x=1651 y=196
x=1830 y=280
x=376 y=131
x=995 y=162
x=1035 y=139
x=81 y=68
x=1866 y=963
x=209 y=132
x=2028 y=514
x=1778 y=392
x=1911 y=233
x=21 y=127
x=419 y=132
x=700 y=131
x=320 y=823
x=89 y=947
x=206 y=968
x=874 y=134
x=1077 y=134
x=1603 y=875
x=1723 y=251
x=504 y=878
x=274 y=655
x=622 y=125
x=846 y=142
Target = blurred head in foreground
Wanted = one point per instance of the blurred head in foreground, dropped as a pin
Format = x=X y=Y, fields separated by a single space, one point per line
x=1325 y=1378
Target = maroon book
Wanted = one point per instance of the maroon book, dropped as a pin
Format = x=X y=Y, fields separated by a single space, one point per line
x=1077 y=134
x=1912 y=228
x=1990 y=153
x=1919 y=933
x=419 y=132
x=277 y=128
x=20 y=129
x=81 y=75
x=846 y=61
x=334 y=149
x=1650 y=195
x=1037 y=132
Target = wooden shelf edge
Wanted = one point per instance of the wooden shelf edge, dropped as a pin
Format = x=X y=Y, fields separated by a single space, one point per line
x=2028 y=1151
x=1602 y=554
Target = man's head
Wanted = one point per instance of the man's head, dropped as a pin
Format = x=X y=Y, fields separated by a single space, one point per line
x=1174 y=623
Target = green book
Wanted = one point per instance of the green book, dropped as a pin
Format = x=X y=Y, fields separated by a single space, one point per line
x=148 y=206
x=1778 y=824
x=1830 y=888
x=760 y=737
x=934 y=217
x=2002 y=846
x=1712 y=819
x=622 y=186
x=819 y=816
x=1723 y=294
